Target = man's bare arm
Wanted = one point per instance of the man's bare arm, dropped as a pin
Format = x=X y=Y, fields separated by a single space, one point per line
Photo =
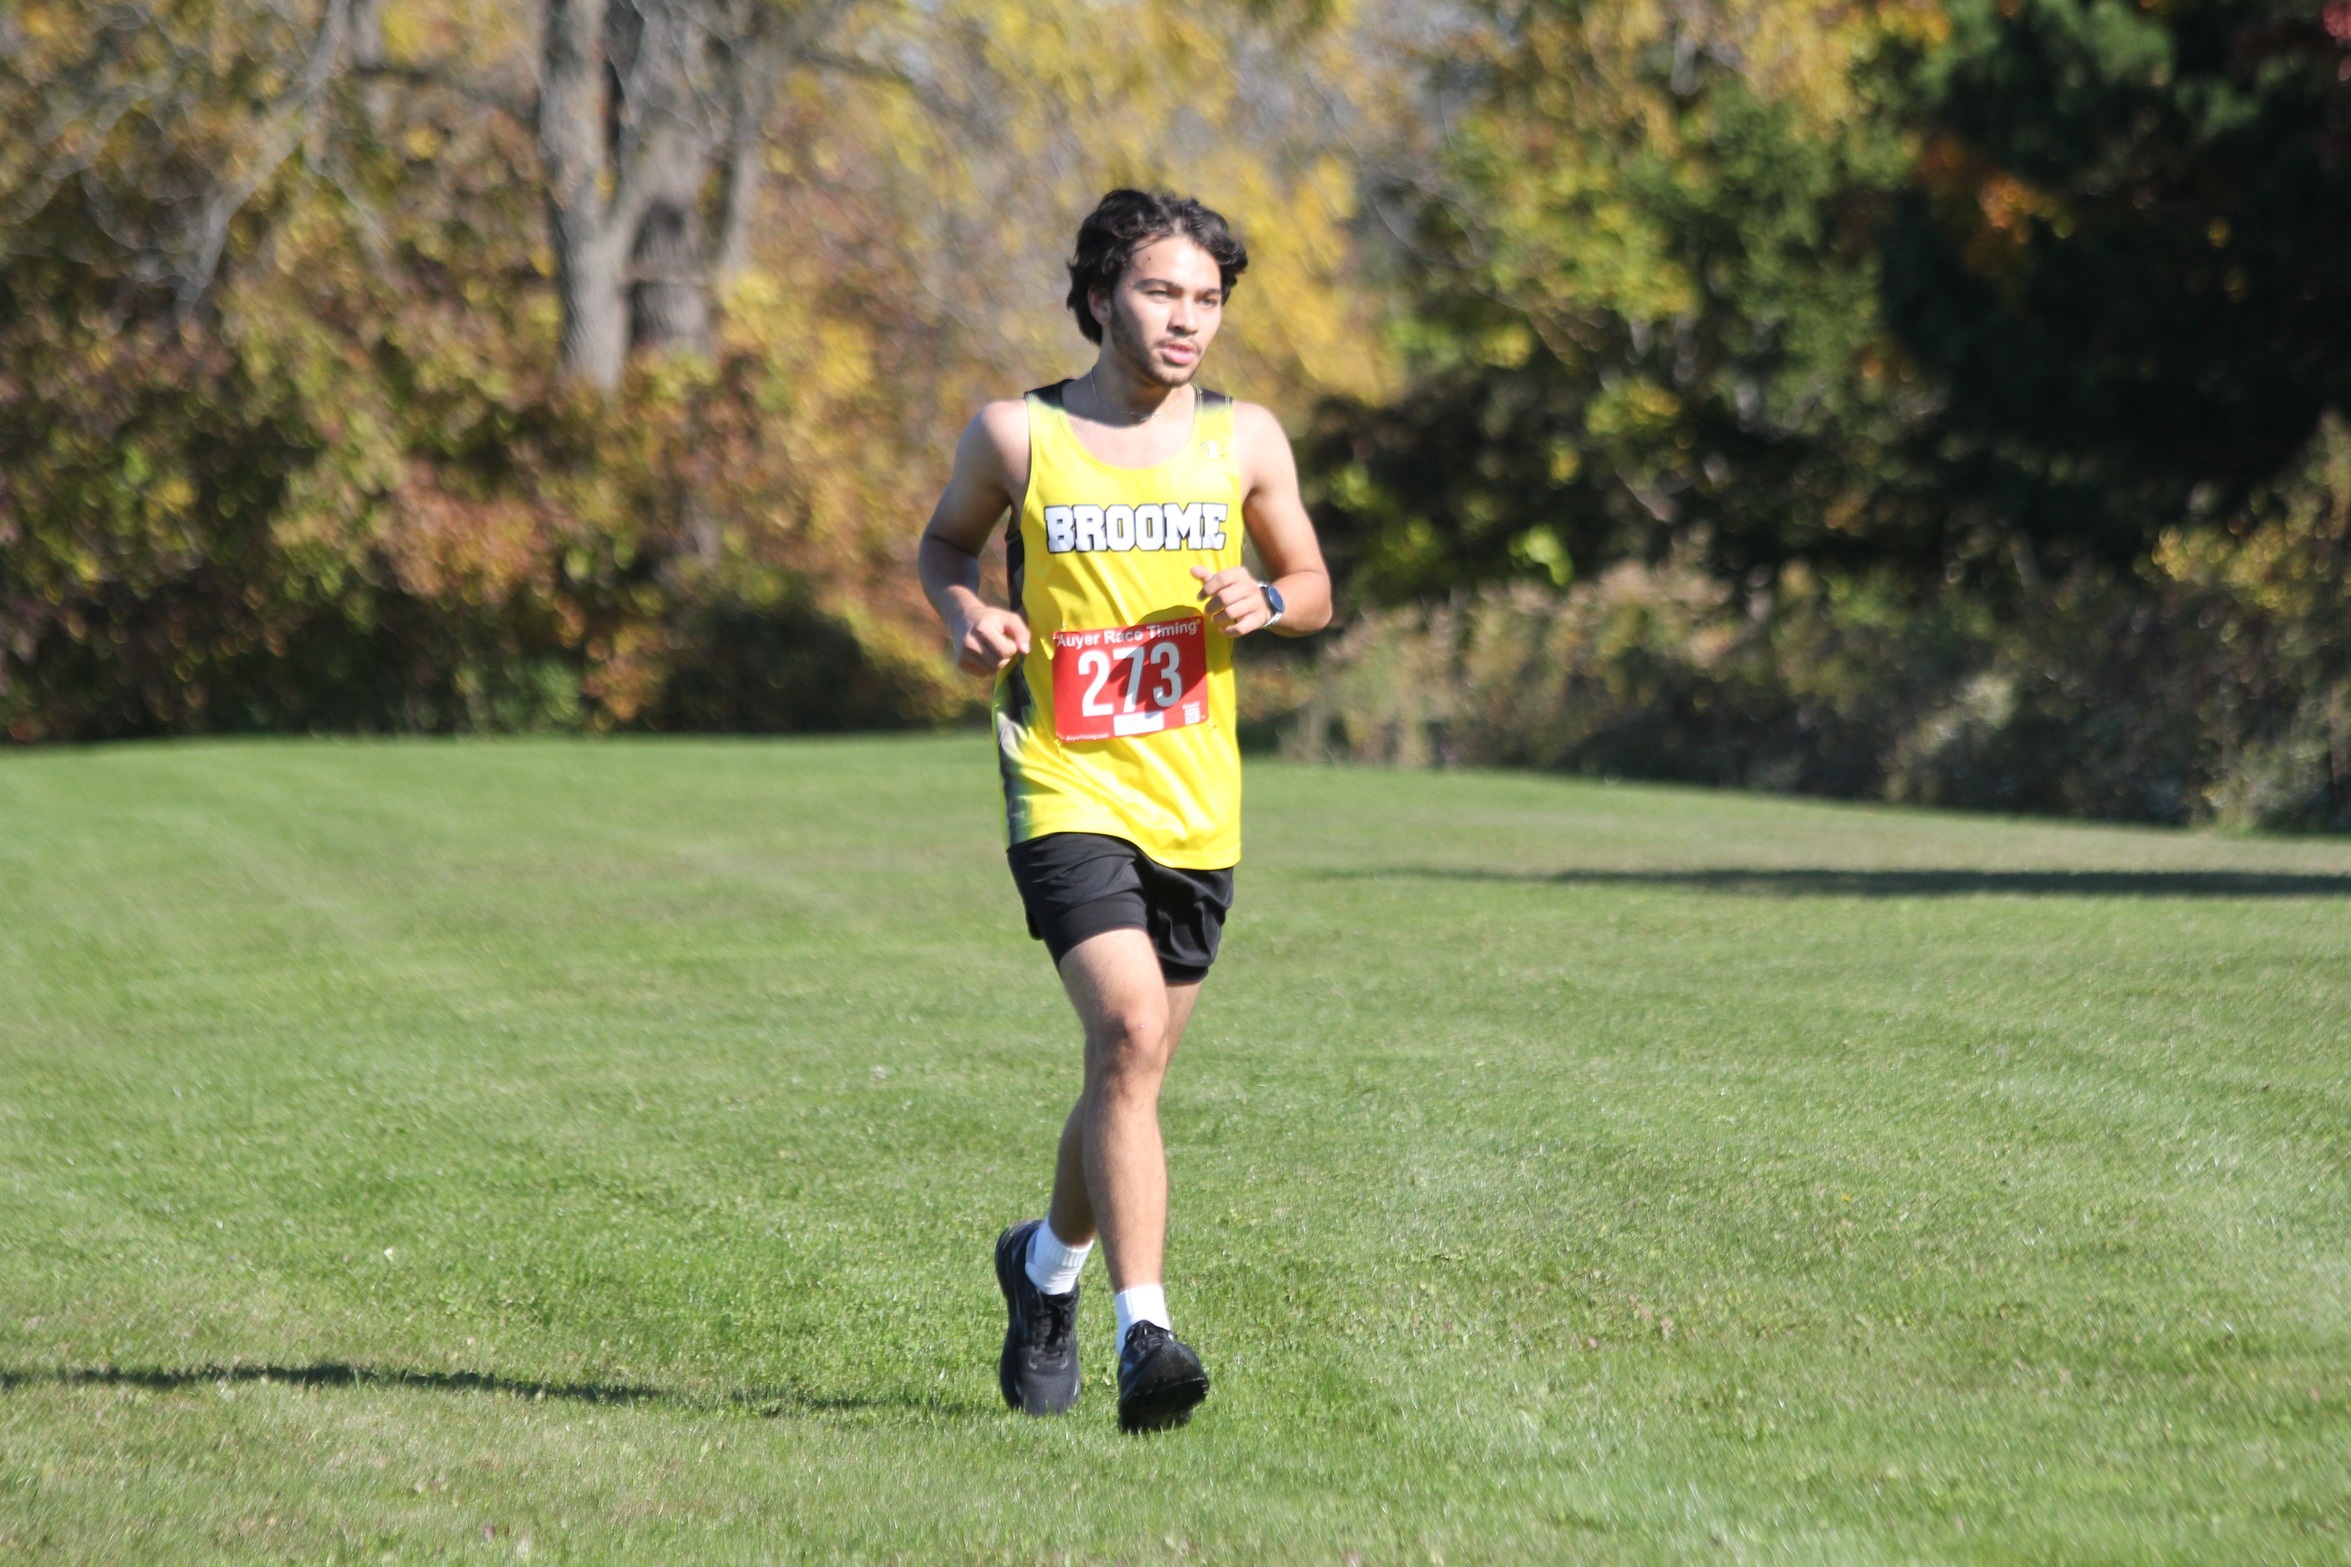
x=991 y=469
x=1281 y=530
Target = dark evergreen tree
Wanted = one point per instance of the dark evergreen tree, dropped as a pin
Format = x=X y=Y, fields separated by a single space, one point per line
x=1977 y=306
x=2126 y=256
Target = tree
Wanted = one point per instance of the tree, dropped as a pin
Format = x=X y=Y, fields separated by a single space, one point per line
x=144 y=129
x=1982 y=295
x=1645 y=304
x=645 y=108
x=332 y=472
x=2123 y=257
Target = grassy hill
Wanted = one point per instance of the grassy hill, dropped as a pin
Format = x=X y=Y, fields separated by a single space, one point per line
x=591 y=1152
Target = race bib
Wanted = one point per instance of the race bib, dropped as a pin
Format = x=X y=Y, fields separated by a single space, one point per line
x=1130 y=680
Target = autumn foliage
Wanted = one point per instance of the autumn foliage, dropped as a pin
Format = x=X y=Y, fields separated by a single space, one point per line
x=1925 y=399
x=289 y=434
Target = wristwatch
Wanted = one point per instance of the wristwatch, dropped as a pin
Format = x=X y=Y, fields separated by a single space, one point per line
x=1273 y=599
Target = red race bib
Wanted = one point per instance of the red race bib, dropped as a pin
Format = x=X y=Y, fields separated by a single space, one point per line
x=1130 y=680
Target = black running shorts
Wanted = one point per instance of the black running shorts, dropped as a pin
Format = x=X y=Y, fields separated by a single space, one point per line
x=1080 y=884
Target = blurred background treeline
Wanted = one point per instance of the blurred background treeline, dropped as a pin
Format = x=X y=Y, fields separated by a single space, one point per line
x=1924 y=401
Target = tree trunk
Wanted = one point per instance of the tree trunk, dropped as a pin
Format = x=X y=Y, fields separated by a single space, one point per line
x=669 y=278
x=591 y=280
x=367 y=33
x=752 y=78
x=636 y=99
x=572 y=153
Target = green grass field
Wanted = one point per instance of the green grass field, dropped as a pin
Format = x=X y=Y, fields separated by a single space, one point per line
x=591 y=1152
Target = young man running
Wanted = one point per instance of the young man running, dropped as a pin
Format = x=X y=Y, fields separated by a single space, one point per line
x=1129 y=489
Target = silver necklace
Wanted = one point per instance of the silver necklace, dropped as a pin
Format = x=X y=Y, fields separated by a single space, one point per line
x=1094 y=390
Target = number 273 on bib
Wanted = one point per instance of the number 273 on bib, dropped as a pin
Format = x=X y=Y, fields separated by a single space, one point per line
x=1130 y=680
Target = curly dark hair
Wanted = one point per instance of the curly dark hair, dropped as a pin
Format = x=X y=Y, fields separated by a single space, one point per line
x=1122 y=223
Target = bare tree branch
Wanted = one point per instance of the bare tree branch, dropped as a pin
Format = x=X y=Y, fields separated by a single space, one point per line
x=854 y=65
x=518 y=109
x=291 y=115
x=753 y=83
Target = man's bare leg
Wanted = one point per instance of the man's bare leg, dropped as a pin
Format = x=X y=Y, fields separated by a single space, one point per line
x=1111 y=1175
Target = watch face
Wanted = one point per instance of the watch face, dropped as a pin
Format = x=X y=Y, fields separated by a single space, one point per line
x=1273 y=596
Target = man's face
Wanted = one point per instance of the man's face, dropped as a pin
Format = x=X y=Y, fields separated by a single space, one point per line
x=1164 y=312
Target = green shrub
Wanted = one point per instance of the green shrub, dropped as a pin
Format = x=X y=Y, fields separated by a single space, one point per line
x=2212 y=684
x=250 y=527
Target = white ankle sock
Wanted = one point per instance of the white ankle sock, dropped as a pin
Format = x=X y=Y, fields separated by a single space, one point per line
x=1054 y=1264
x=1142 y=1303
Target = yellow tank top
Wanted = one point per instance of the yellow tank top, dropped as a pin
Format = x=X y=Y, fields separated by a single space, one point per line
x=1120 y=718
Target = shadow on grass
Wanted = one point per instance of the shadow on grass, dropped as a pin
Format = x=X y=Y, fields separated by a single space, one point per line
x=1810 y=882
x=758 y=1401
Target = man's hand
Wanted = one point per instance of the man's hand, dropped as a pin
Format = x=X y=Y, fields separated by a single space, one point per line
x=1235 y=600
x=988 y=639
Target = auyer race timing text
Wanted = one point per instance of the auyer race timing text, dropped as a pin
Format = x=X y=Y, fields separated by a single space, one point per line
x=1130 y=680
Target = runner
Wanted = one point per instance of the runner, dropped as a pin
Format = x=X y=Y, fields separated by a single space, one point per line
x=1130 y=489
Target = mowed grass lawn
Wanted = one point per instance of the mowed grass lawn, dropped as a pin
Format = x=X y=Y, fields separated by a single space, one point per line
x=592 y=1152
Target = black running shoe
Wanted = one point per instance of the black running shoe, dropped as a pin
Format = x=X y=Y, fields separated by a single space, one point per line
x=1039 y=1368
x=1159 y=1379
